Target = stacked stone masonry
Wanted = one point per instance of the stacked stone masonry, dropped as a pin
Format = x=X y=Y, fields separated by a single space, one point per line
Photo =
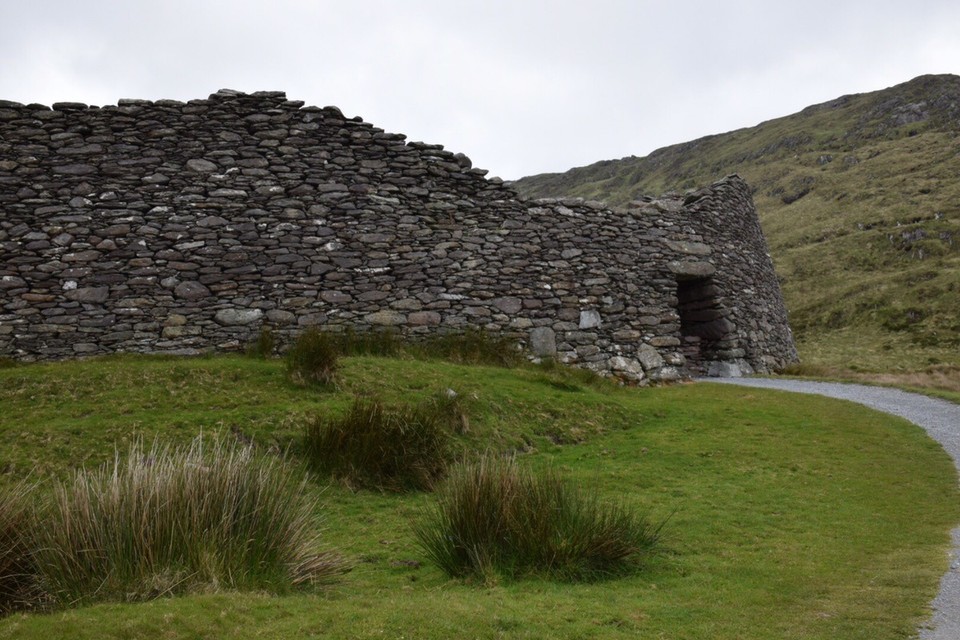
x=185 y=227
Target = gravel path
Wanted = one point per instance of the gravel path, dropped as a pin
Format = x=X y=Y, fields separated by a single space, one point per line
x=940 y=419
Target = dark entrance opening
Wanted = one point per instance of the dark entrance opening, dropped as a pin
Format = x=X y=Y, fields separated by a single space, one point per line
x=705 y=329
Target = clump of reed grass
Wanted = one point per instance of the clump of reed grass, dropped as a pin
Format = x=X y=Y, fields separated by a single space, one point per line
x=17 y=575
x=172 y=520
x=313 y=359
x=376 y=446
x=493 y=517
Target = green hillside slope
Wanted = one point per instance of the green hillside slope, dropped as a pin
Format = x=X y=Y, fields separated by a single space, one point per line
x=860 y=201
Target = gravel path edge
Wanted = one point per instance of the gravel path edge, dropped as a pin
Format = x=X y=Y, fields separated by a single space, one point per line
x=941 y=420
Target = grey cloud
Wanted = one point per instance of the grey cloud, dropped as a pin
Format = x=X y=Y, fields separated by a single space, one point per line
x=521 y=86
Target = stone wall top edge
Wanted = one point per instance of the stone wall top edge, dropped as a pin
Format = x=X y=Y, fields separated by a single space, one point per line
x=279 y=97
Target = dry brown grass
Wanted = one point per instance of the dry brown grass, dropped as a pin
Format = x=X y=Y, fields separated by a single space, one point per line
x=940 y=378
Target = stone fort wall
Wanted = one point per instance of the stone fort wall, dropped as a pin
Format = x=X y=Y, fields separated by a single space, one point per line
x=183 y=227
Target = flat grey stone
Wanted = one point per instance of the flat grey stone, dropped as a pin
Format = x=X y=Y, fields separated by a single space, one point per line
x=590 y=319
x=233 y=317
x=627 y=368
x=690 y=248
x=385 y=318
x=280 y=317
x=543 y=342
x=96 y=295
x=75 y=169
x=335 y=297
x=199 y=165
x=424 y=318
x=192 y=290
x=509 y=305
x=691 y=270
x=228 y=193
x=649 y=357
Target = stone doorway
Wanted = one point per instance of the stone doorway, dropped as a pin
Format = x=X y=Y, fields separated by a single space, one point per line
x=705 y=329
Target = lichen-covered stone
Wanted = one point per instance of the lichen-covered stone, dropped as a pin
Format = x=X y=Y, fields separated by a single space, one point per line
x=649 y=357
x=590 y=319
x=543 y=342
x=424 y=318
x=234 y=317
x=386 y=318
x=626 y=368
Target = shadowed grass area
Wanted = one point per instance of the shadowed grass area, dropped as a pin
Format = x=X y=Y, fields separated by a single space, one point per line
x=471 y=346
x=17 y=575
x=494 y=517
x=797 y=517
x=391 y=448
x=313 y=358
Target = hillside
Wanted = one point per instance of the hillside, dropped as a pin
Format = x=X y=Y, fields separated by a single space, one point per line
x=860 y=200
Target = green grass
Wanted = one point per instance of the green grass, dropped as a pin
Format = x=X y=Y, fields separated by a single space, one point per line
x=795 y=516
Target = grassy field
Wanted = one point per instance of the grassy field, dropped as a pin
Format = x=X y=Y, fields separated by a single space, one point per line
x=789 y=516
x=859 y=207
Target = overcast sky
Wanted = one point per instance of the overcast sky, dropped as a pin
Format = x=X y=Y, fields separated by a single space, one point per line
x=521 y=86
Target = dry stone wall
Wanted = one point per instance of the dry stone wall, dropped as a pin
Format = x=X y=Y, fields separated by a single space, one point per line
x=184 y=227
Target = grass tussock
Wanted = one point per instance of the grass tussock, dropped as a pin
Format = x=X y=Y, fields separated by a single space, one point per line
x=313 y=359
x=493 y=517
x=264 y=346
x=17 y=575
x=165 y=521
x=376 y=446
